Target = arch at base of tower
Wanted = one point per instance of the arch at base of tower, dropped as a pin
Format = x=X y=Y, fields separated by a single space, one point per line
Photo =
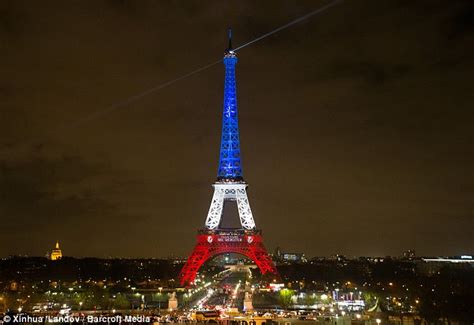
x=215 y=242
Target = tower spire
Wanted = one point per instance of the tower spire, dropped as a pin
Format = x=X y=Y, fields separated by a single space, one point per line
x=229 y=160
x=229 y=36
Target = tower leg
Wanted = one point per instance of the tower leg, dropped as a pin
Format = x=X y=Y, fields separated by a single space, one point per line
x=215 y=210
x=260 y=256
x=199 y=255
x=245 y=213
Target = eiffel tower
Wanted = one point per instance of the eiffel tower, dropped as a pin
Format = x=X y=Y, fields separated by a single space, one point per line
x=230 y=186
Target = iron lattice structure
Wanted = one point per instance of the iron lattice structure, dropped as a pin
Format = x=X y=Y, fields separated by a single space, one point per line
x=230 y=186
x=229 y=162
x=230 y=191
x=212 y=244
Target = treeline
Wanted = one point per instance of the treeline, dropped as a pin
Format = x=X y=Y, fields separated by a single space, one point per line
x=69 y=269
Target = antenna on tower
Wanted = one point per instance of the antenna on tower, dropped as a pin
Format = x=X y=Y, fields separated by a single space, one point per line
x=229 y=36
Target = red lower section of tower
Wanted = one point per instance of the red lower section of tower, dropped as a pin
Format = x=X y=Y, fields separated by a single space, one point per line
x=212 y=243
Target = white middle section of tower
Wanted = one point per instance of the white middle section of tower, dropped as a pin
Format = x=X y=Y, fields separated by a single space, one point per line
x=233 y=192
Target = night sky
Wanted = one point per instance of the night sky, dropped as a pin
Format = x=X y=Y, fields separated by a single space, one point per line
x=356 y=125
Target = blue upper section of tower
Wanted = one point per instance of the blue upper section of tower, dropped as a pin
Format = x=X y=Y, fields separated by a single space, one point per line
x=230 y=168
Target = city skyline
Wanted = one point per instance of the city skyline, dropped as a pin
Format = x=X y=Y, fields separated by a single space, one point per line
x=356 y=126
x=53 y=251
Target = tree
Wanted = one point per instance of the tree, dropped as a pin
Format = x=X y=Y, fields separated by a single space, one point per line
x=310 y=299
x=121 y=302
x=285 y=297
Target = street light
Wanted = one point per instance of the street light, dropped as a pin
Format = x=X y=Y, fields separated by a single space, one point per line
x=378 y=320
x=159 y=301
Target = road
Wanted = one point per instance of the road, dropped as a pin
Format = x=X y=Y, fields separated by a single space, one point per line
x=225 y=291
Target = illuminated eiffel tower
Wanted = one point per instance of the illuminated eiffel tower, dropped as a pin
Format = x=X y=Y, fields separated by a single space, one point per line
x=230 y=186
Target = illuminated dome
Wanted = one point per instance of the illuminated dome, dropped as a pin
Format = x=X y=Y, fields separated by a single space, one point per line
x=56 y=253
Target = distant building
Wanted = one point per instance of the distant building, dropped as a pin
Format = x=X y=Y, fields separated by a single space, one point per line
x=466 y=259
x=56 y=253
x=432 y=265
x=289 y=257
x=294 y=257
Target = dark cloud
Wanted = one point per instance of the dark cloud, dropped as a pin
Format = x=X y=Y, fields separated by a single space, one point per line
x=356 y=125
